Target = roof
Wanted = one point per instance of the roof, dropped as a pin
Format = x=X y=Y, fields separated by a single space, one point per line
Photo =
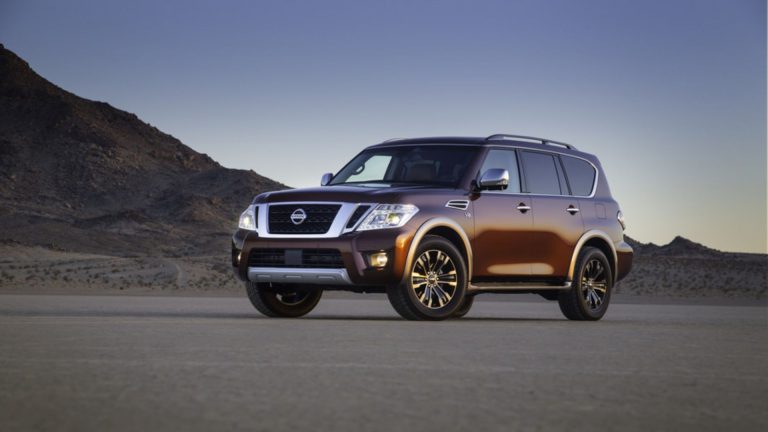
x=494 y=140
x=434 y=140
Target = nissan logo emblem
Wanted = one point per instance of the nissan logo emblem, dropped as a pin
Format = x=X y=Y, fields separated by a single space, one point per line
x=298 y=216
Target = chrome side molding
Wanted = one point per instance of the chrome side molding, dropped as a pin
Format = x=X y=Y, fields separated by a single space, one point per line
x=507 y=287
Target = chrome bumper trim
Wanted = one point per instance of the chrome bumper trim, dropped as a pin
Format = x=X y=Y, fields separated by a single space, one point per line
x=321 y=276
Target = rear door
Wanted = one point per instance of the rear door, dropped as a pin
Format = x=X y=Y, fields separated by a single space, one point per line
x=503 y=222
x=582 y=178
x=557 y=221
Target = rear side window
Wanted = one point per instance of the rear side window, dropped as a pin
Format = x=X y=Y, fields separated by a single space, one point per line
x=504 y=159
x=581 y=175
x=541 y=176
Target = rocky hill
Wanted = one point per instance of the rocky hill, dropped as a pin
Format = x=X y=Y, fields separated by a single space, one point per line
x=84 y=176
x=683 y=268
x=679 y=246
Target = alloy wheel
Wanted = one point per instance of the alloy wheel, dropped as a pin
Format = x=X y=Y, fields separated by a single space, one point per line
x=594 y=284
x=434 y=279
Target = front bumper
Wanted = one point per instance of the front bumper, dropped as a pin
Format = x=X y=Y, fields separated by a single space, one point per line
x=354 y=248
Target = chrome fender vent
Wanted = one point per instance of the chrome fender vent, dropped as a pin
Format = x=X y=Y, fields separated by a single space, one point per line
x=457 y=204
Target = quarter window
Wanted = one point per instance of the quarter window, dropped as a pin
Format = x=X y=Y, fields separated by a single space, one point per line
x=504 y=159
x=541 y=176
x=581 y=175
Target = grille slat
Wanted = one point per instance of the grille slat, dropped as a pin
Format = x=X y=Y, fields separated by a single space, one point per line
x=318 y=221
x=359 y=212
x=310 y=258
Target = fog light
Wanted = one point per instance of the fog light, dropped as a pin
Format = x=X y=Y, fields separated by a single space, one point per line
x=378 y=259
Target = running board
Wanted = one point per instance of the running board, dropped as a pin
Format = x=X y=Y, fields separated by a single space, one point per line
x=512 y=287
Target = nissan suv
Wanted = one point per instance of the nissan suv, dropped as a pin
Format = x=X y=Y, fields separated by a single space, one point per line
x=432 y=222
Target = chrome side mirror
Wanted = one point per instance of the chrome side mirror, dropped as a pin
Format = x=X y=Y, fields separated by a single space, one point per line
x=327 y=177
x=494 y=178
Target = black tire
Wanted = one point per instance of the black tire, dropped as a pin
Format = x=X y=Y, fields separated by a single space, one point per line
x=464 y=307
x=444 y=304
x=283 y=301
x=592 y=274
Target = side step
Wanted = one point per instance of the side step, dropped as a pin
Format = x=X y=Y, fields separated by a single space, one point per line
x=502 y=287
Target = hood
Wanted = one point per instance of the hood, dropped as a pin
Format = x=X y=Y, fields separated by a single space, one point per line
x=355 y=194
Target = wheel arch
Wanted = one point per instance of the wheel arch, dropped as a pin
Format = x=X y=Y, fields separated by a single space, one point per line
x=448 y=229
x=600 y=240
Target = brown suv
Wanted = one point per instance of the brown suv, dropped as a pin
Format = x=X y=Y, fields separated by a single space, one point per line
x=435 y=221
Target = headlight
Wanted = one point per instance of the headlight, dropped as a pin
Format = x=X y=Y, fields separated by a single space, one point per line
x=248 y=218
x=388 y=216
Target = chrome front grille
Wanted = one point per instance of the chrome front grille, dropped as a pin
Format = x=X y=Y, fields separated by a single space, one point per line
x=286 y=218
x=317 y=219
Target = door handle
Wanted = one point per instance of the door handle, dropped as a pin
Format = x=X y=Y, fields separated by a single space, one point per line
x=572 y=210
x=523 y=208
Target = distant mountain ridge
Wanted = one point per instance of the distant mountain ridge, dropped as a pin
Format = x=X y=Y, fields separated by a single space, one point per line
x=679 y=246
x=85 y=176
x=683 y=268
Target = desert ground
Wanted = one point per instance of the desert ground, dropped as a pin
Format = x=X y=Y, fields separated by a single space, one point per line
x=190 y=363
x=100 y=342
x=144 y=343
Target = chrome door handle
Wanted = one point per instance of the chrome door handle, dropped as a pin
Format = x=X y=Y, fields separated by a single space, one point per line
x=523 y=208
x=572 y=210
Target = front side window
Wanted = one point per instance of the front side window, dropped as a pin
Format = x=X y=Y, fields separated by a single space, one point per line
x=504 y=159
x=541 y=175
x=405 y=165
x=581 y=175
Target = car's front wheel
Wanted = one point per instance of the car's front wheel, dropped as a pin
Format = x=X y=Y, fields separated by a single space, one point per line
x=464 y=307
x=436 y=283
x=283 y=301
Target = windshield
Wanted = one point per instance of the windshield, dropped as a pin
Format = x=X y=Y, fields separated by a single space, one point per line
x=423 y=165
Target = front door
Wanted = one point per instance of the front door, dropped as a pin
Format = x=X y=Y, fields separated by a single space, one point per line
x=503 y=223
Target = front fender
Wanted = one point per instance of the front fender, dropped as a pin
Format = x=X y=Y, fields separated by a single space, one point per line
x=428 y=226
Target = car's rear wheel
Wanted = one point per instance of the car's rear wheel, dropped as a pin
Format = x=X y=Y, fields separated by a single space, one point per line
x=435 y=284
x=590 y=293
x=283 y=300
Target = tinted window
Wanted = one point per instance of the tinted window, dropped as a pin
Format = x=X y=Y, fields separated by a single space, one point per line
x=425 y=164
x=581 y=175
x=373 y=169
x=540 y=173
x=504 y=159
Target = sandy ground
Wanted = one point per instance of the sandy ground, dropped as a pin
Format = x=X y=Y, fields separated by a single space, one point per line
x=185 y=363
x=39 y=270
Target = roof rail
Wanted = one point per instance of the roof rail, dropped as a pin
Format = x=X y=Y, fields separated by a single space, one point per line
x=392 y=139
x=543 y=141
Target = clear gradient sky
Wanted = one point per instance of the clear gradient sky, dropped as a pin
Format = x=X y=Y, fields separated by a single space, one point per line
x=671 y=95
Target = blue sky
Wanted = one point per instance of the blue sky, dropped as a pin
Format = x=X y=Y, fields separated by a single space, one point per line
x=671 y=95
